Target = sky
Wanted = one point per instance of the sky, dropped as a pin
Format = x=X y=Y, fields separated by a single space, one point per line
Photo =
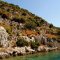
x=47 y=9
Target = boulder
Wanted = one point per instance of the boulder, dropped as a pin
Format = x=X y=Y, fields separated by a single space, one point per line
x=4 y=55
x=46 y=48
x=41 y=48
x=17 y=50
x=9 y=50
x=23 y=50
x=50 y=48
x=20 y=50
x=3 y=37
x=28 y=49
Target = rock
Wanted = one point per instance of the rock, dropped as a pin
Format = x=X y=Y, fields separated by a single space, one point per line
x=41 y=48
x=20 y=50
x=28 y=49
x=50 y=48
x=3 y=37
x=2 y=49
x=3 y=55
x=23 y=50
x=17 y=50
x=26 y=38
x=42 y=39
x=46 y=48
x=9 y=50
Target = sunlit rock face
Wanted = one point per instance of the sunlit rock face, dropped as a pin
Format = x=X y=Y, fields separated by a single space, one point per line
x=3 y=37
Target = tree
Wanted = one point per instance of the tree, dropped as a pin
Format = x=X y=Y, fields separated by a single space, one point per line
x=51 y=25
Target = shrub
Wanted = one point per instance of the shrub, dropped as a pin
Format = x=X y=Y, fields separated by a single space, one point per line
x=30 y=25
x=17 y=7
x=34 y=45
x=21 y=42
x=19 y=20
x=24 y=14
x=50 y=44
x=51 y=25
x=8 y=29
x=12 y=4
x=40 y=23
x=58 y=32
x=36 y=17
x=4 y=16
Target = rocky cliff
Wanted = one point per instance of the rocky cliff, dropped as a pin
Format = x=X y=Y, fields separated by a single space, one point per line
x=20 y=22
x=3 y=37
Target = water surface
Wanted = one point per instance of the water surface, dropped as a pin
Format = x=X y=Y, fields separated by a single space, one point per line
x=38 y=56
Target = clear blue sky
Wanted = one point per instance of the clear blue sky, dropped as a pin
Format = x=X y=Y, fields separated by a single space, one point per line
x=47 y=9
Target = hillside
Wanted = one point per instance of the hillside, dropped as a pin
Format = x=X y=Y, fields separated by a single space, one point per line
x=18 y=21
x=22 y=32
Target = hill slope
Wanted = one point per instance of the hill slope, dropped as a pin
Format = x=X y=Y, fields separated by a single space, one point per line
x=18 y=21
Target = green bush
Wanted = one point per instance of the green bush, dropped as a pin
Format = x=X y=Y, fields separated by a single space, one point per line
x=4 y=16
x=30 y=25
x=21 y=42
x=24 y=14
x=19 y=20
x=51 y=25
x=36 y=17
x=34 y=45
x=40 y=22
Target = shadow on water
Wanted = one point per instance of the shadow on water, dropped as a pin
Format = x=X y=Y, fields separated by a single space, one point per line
x=39 y=56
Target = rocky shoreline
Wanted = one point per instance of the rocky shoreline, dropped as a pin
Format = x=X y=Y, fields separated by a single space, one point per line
x=25 y=45
x=22 y=32
x=18 y=51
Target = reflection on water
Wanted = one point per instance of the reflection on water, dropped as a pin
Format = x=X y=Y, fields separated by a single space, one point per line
x=39 y=56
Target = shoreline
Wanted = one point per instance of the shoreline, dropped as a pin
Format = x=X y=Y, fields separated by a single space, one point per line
x=5 y=55
x=38 y=53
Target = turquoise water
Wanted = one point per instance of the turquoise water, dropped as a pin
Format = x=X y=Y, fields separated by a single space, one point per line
x=45 y=56
x=39 y=56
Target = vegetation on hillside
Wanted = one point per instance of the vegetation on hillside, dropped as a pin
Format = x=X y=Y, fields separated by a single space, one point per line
x=16 y=19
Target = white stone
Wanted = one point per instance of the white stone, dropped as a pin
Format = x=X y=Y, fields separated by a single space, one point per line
x=3 y=37
x=29 y=49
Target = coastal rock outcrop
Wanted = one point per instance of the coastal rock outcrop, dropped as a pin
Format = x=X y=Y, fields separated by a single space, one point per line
x=19 y=50
x=4 y=55
x=29 y=49
x=3 y=37
x=41 y=48
x=26 y=38
x=46 y=48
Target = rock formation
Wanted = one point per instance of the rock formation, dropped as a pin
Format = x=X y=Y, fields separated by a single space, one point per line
x=3 y=37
